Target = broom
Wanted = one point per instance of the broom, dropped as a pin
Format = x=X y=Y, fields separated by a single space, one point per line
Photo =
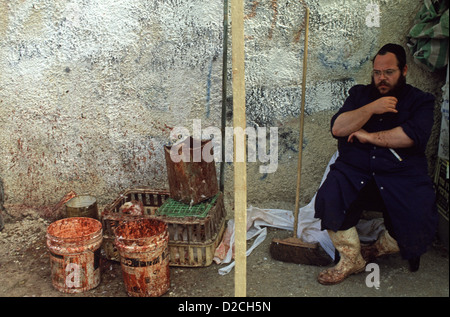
x=293 y=249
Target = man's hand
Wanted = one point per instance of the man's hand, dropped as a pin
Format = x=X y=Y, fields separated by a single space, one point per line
x=351 y=121
x=394 y=138
x=383 y=105
x=362 y=135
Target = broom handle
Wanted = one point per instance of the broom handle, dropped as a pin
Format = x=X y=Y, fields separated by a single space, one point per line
x=302 y=115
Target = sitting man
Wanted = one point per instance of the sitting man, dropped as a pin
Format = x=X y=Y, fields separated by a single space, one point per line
x=382 y=131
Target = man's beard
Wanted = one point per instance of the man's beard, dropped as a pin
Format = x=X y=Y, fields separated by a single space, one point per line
x=394 y=89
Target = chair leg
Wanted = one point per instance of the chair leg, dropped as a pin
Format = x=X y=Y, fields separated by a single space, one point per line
x=414 y=264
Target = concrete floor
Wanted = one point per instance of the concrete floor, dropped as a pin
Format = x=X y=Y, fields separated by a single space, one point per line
x=25 y=272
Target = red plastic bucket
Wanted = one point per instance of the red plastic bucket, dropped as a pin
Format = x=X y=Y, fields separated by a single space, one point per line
x=143 y=247
x=74 y=245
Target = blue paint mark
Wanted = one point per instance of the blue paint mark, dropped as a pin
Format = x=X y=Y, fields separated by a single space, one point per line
x=295 y=149
x=331 y=58
x=208 y=90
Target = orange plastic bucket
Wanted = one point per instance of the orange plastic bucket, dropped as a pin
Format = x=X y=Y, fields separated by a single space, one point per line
x=74 y=245
x=143 y=247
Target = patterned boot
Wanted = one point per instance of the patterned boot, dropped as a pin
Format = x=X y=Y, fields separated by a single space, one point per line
x=384 y=245
x=351 y=261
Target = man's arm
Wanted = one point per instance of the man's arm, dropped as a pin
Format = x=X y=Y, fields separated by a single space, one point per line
x=394 y=138
x=351 y=121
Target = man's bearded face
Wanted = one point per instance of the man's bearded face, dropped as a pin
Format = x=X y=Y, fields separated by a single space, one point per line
x=387 y=76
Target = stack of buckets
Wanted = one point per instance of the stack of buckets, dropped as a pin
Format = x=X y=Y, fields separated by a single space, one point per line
x=74 y=244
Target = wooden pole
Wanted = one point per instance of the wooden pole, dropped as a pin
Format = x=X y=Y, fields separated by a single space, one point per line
x=240 y=167
x=224 y=91
x=302 y=116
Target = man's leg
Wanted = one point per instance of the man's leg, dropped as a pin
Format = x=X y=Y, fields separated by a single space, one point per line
x=346 y=242
x=388 y=244
x=385 y=243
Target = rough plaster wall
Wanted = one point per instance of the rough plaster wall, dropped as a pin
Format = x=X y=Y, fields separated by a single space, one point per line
x=89 y=90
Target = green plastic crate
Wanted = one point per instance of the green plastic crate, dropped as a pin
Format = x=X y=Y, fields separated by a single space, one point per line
x=174 y=208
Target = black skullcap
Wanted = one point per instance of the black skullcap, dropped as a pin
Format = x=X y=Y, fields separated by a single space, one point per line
x=396 y=49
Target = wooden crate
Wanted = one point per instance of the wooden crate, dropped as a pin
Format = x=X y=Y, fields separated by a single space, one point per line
x=112 y=217
x=195 y=254
x=191 y=238
x=181 y=229
x=181 y=254
x=192 y=229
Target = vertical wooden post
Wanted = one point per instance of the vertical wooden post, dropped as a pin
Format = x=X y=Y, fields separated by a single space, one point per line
x=240 y=166
x=302 y=116
x=226 y=8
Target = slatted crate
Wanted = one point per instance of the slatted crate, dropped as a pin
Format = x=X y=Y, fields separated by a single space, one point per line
x=195 y=254
x=193 y=224
x=112 y=217
x=194 y=231
x=181 y=254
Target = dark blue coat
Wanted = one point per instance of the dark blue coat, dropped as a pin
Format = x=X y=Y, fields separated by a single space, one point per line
x=405 y=186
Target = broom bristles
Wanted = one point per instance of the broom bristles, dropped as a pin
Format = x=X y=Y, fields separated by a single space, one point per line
x=294 y=250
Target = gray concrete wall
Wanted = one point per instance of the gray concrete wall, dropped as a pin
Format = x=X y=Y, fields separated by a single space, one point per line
x=90 y=90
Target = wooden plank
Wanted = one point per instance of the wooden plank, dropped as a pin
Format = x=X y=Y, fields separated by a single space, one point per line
x=240 y=166
x=302 y=116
